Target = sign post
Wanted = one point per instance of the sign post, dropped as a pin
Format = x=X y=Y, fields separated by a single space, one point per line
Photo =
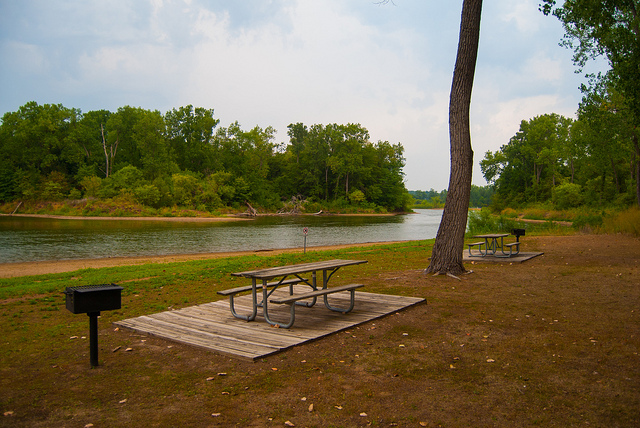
x=305 y=231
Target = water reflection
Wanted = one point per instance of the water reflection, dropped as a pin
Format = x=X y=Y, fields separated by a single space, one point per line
x=36 y=239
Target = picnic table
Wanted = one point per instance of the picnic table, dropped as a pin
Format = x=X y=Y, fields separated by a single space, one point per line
x=272 y=278
x=493 y=242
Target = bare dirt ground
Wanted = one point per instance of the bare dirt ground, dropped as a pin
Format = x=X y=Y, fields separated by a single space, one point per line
x=553 y=342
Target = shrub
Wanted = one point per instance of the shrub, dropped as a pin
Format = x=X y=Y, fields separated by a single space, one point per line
x=91 y=186
x=483 y=222
x=567 y=195
x=587 y=221
x=147 y=194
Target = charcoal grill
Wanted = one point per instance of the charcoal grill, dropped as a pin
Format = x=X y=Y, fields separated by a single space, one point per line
x=91 y=300
x=518 y=233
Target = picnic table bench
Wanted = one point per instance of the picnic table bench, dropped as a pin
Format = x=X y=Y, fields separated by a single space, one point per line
x=261 y=277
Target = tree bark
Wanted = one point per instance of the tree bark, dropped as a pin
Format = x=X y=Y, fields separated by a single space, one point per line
x=636 y=146
x=447 y=251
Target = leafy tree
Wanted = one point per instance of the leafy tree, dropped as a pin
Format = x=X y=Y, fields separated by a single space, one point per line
x=190 y=132
x=148 y=133
x=86 y=136
x=609 y=28
x=346 y=159
x=527 y=168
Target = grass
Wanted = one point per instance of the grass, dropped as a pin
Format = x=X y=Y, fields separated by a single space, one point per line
x=551 y=342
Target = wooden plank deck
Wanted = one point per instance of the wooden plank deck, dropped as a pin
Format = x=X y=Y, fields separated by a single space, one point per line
x=212 y=326
x=522 y=257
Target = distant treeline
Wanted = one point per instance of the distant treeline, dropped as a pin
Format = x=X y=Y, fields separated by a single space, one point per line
x=480 y=197
x=182 y=158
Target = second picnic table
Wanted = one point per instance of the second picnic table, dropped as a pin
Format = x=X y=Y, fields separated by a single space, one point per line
x=289 y=276
x=492 y=246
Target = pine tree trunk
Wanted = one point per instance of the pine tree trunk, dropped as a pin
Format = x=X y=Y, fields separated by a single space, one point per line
x=447 y=251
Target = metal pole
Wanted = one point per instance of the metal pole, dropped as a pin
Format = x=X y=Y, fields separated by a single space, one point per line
x=305 y=244
x=93 y=338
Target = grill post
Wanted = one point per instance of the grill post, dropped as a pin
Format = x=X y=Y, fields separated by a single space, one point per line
x=93 y=338
x=91 y=299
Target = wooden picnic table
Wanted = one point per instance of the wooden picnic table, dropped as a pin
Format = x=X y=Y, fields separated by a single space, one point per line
x=289 y=276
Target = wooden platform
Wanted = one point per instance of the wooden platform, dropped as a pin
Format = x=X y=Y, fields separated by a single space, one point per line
x=212 y=326
x=522 y=257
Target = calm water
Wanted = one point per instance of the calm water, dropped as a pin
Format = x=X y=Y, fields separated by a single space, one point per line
x=35 y=239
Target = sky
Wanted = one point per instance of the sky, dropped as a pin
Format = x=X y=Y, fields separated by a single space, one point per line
x=276 y=62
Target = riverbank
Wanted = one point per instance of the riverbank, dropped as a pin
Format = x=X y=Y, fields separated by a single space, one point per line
x=146 y=218
x=11 y=270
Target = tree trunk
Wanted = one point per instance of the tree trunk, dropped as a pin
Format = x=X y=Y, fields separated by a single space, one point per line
x=637 y=149
x=447 y=251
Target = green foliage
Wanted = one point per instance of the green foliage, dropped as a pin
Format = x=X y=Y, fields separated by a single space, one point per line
x=584 y=221
x=566 y=162
x=604 y=142
x=50 y=152
x=482 y=221
x=567 y=195
x=480 y=197
x=147 y=194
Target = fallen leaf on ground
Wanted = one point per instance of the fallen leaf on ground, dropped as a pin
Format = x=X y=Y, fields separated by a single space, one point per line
x=289 y=424
x=311 y=407
x=363 y=414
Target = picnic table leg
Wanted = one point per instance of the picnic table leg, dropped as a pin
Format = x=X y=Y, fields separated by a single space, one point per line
x=265 y=311
x=315 y=287
x=255 y=304
x=344 y=311
x=325 y=285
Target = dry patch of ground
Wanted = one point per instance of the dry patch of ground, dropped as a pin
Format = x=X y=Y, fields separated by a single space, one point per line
x=554 y=341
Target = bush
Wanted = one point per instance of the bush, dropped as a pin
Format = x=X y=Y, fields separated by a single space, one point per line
x=91 y=186
x=587 y=221
x=147 y=194
x=483 y=222
x=567 y=195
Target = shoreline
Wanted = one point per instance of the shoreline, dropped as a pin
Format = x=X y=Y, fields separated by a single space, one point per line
x=12 y=270
x=232 y=217
x=174 y=219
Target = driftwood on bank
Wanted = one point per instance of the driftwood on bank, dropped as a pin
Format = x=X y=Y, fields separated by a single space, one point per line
x=293 y=207
x=250 y=210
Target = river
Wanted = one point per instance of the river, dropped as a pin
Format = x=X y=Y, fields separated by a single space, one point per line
x=27 y=239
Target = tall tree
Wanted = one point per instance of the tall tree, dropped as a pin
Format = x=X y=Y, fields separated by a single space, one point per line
x=609 y=28
x=446 y=257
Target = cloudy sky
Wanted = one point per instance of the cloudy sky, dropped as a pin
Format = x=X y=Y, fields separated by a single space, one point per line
x=276 y=62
